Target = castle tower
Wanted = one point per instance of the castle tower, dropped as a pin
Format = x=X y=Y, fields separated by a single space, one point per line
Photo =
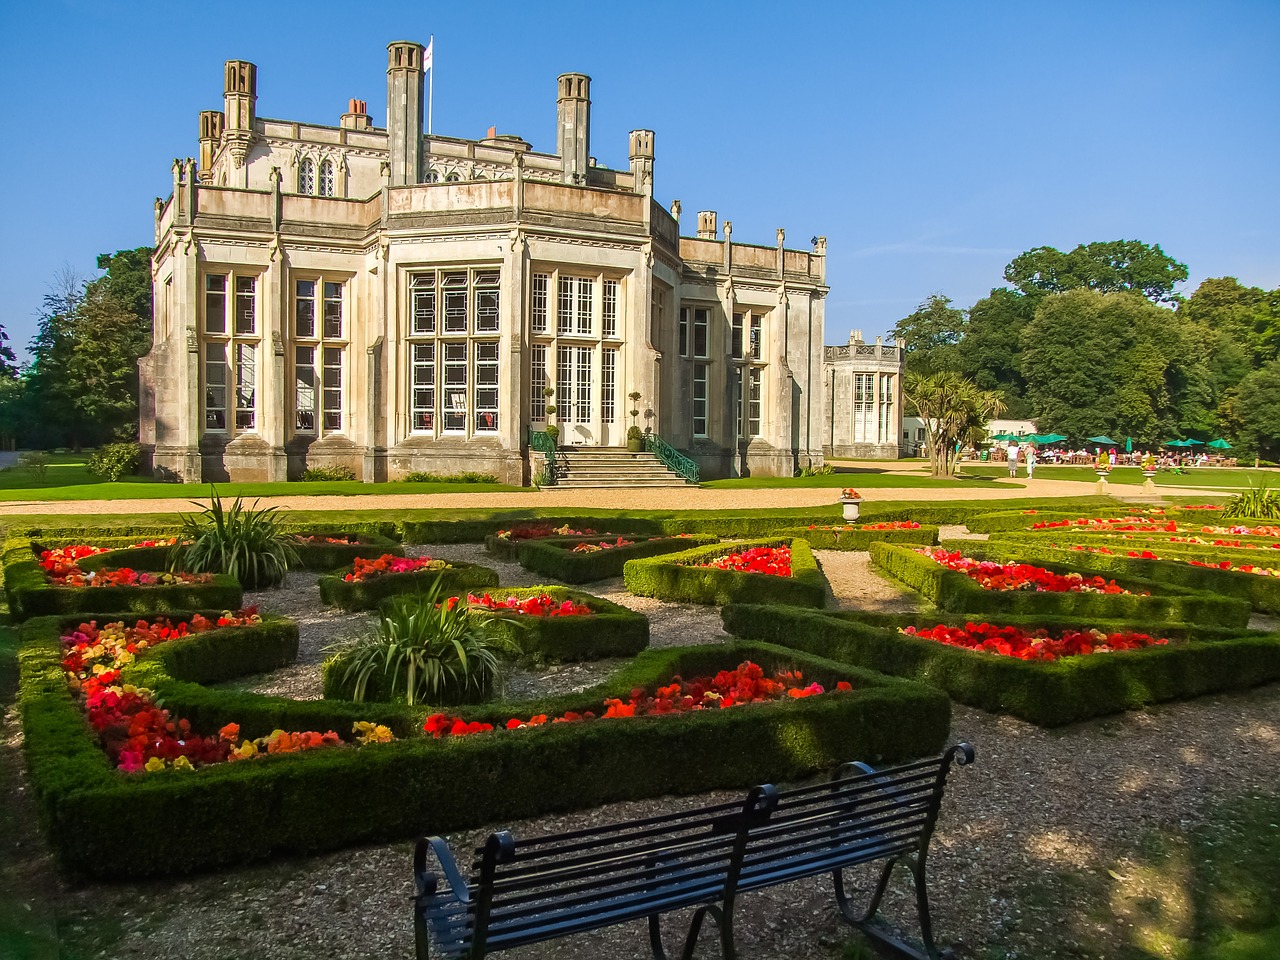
x=642 y=161
x=573 y=125
x=211 y=123
x=240 y=93
x=404 y=111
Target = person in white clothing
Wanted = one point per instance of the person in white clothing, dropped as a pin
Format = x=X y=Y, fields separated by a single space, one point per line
x=1031 y=461
x=1013 y=459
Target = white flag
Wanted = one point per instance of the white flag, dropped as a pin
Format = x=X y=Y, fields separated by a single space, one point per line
x=426 y=56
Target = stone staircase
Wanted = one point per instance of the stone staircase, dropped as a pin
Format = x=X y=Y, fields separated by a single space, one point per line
x=599 y=468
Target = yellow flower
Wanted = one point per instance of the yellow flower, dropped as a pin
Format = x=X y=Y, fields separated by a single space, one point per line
x=182 y=763
x=154 y=764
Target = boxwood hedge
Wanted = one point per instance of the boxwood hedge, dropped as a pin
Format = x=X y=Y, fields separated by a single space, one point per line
x=856 y=537
x=955 y=592
x=554 y=557
x=330 y=799
x=679 y=576
x=367 y=594
x=1206 y=660
x=322 y=557
x=1261 y=592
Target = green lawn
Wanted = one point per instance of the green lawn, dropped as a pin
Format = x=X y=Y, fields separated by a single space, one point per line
x=859 y=477
x=1222 y=478
x=68 y=479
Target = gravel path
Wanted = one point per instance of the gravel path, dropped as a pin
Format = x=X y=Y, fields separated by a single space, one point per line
x=1036 y=805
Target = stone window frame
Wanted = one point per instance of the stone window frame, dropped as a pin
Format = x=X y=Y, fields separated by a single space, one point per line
x=746 y=346
x=318 y=341
x=310 y=165
x=477 y=421
x=701 y=374
x=230 y=341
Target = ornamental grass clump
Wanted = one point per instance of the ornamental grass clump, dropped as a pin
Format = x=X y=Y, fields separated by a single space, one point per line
x=1259 y=502
x=247 y=544
x=424 y=648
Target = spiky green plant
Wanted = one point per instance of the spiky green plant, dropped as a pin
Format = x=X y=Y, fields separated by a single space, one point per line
x=425 y=650
x=246 y=543
x=1257 y=502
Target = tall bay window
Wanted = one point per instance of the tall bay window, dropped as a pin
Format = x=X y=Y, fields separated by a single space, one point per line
x=230 y=368
x=887 y=431
x=745 y=334
x=455 y=318
x=864 y=408
x=319 y=356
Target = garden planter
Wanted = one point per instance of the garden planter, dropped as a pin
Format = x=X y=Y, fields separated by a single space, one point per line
x=851 y=508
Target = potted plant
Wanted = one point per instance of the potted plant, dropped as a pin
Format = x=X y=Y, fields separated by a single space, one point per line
x=635 y=439
x=850 y=501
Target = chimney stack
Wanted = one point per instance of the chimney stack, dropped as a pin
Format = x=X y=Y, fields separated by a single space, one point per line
x=240 y=95
x=357 y=116
x=642 y=161
x=707 y=228
x=404 y=111
x=211 y=123
x=573 y=125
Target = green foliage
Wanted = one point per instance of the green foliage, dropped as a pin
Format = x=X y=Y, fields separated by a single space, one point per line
x=822 y=470
x=634 y=434
x=1047 y=694
x=1255 y=411
x=951 y=406
x=1247 y=317
x=931 y=335
x=854 y=538
x=420 y=476
x=554 y=556
x=115 y=460
x=1107 y=267
x=990 y=353
x=553 y=431
x=36 y=463
x=1256 y=502
x=321 y=474
x=955 y=592
x=242 y=542
x=679 y=578
x=422 y=649
x=324 y=557
x=367 y=594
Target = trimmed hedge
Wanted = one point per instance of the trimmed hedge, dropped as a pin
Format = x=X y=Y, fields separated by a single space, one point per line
x=331 y=799
x=554 y=557
x=1261 y=592
x=30 y=594
x=324 y=557
x=1048 y=694
x=1023 y=520
x=852 y=537
x=367 y=594
x=678 y=577
x=954 y=591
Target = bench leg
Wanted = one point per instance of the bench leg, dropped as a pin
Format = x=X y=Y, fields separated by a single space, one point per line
x=865 y=921
x=723 y=921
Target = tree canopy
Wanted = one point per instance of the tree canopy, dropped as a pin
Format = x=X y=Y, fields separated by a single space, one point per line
x=1113 y=266
x=930 y=335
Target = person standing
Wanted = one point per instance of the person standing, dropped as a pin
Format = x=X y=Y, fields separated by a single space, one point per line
x=1031 y=460
x=1013 y=458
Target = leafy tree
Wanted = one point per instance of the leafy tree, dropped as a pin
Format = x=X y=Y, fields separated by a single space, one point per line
x=1255 y=409
x=49 y=390
x=1104 y=363
x=1108 y=267
x=951 y=406
x=990 y=352
x=931 y=334
x=1248 y=316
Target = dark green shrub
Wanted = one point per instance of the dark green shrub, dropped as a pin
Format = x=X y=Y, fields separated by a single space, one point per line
x=554 y=556
x=367 y=594
x=1048 y=694
x=332 y=473
x=36 y=463
x=853 y=537
x=243 y=543
x=321 y=556
x=955 y=592
x=115 y=460
x=422 y=476
x=678 y=577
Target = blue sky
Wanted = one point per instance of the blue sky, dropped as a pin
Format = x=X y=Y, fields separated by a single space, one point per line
x=931 y=142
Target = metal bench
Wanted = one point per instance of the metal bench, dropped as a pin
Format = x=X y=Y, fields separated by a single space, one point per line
x=528 y=891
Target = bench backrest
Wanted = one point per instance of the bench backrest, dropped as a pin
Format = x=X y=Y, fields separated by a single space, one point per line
x=860 y=816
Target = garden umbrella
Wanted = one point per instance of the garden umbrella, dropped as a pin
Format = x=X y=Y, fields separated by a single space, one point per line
x=1004 y=436
x=1107 y=440
x=1052 y=438
x=1128 y=444
x=1220 y=444
x=1193 y=443
x=1176 y=443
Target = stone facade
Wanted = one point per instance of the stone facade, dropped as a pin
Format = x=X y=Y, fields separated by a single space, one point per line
x=864 y=408
x=391 y=301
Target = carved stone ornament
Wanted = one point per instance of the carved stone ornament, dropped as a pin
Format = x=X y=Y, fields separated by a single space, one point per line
x=193 y=342
x=277 y=343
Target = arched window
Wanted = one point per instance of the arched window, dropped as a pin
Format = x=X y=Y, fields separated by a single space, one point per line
x=306 y=177
x=326 y=178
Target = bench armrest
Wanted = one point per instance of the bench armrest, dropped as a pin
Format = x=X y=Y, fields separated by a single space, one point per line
x=425 y=882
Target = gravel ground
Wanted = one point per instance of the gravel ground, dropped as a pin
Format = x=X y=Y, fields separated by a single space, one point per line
x=1037 y=806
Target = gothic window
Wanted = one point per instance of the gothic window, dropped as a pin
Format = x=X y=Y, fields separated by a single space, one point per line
x=326 y=178
x=307 y=177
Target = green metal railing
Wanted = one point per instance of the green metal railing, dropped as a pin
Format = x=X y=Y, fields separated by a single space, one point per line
x=540 y=442
x=673 y=458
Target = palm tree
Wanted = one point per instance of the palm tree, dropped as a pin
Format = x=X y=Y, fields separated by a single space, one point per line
x=950 y=406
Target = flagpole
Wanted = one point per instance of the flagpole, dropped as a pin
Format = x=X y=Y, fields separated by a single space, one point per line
x=431 y=81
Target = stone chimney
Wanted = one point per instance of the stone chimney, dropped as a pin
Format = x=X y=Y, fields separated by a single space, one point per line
x=240 y=94
x=211 y=123
x=404 y=112
x=642 y=161
x=357 y=116
x=573 y=125
x=707 y=229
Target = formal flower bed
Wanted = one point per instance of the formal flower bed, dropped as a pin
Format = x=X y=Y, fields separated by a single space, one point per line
x=1211 y=565
x=538 y=605
x=849 y=527
x=1218 y=542
x=991 y=575
x=602 y=545
x=1032 y=644
x=363 y=570
x=62 y=569
x=773 y=561
x=140 y=735
x=857 y=536
x=746 y=683
x=539 y=531
x=316 y=538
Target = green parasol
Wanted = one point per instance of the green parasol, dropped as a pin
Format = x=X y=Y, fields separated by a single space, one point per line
x=1103 y=439
x=1128 y=444
x=1219 y=444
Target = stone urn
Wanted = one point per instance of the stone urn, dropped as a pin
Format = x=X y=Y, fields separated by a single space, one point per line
x=1149 y=483
x=850 y=507
x=1102 y=479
